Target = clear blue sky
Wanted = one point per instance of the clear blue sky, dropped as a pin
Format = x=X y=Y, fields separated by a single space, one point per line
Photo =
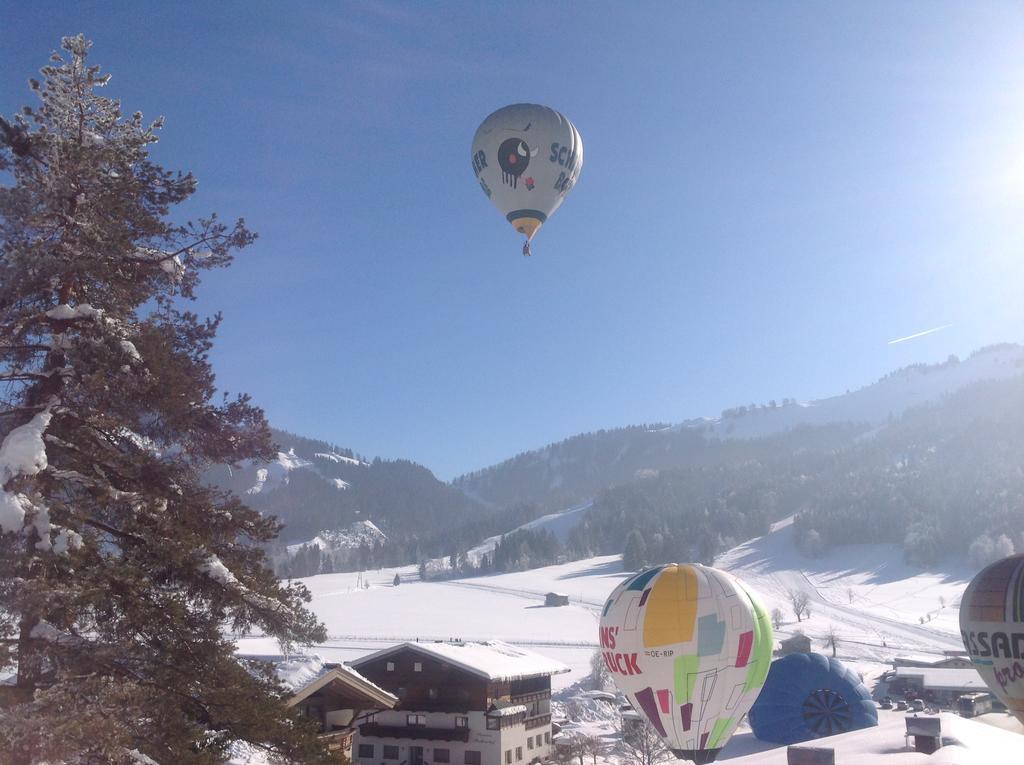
x=771 y=193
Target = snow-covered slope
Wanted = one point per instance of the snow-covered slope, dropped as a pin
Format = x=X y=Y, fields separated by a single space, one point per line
x=559 y=524
x=358 y=534
x=272 y=475
x=275 y=474
x=879 y=606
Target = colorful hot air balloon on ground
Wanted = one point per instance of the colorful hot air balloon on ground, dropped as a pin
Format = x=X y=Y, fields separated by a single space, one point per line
x=690 y=646
x=992 y=627
x=526 y=158
x=807 y=696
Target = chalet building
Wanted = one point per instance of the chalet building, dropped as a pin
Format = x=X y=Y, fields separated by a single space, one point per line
x=938 y=685
x=336 y=696
x=948 y=660
x=460 y=703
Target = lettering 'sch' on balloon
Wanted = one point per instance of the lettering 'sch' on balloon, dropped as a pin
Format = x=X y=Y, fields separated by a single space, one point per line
x=690 y=646
x=992 y=627
x=526 y=159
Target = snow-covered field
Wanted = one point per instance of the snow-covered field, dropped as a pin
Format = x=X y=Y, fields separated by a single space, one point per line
x=878 y=606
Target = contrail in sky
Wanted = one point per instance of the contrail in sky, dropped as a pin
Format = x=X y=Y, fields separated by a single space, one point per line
x=919 y=334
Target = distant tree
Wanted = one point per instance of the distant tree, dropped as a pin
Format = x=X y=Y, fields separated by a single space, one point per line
x=397 y=580
x=799 y=602
x=641 y=745
x=1003 y=547
x=850 y=593
x=777 y=617
x=591 y=746
x=635 y=553
x=634 y=556
x=813 y=545
x=600 y=677
x=981 y=551
x=831 y=637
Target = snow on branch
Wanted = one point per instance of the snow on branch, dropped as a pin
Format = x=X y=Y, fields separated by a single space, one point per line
x=141 y=758
x=22 y=451
x=12 y=512
x=65 y=312
x=214 y=568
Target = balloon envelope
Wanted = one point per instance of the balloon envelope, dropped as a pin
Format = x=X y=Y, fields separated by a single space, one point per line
x=690 y=646
x=807 y=696
x=526 y=158
x=992 y=627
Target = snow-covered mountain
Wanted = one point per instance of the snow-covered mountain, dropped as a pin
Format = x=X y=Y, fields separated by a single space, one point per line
x=566 y=473
x=873 y=404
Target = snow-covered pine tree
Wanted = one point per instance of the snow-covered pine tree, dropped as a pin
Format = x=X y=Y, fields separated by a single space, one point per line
x=120 y=571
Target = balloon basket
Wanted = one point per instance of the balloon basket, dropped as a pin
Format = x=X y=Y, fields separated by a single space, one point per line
x=697 y=756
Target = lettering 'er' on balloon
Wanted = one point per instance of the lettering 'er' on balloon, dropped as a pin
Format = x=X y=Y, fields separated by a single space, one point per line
x=526 y=159
x=690 y=646
x=992 y=627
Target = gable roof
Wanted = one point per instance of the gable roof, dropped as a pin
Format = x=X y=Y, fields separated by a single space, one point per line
x=304 y=675
x=491 y=660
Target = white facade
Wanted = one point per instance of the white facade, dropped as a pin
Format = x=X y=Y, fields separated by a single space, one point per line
x=509 y=744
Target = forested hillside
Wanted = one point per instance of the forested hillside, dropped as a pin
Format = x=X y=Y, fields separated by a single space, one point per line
x=316 y=486
x=943 y=480
x=578 y=468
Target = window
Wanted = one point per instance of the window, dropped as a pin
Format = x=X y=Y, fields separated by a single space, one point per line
x=390 y=752
x=417 y=666
x=472 y=757
x=529 y=742
x=519 y=753
x=420 y=720
x=508 y=757
x=493 y=723
x=547 y=737
x=366 y=750
x=461 y=722
x=441 y=755
x=391 y=666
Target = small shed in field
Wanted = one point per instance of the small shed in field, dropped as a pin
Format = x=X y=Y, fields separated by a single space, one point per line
x=798 y=643
x=556 y=599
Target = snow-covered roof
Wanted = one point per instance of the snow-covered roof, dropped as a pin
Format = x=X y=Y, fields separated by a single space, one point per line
x=515 y=709
x=305 y=674
x=492 y=659
x=945 y=678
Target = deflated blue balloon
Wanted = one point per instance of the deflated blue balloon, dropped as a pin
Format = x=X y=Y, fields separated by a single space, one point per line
x=808 y=696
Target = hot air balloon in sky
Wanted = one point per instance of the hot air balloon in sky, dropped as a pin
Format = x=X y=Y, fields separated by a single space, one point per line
x=992 y=627
x=690 y=646
x=526 y=159
x=807 y=696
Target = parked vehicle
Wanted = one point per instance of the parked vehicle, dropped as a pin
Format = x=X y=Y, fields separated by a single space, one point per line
x=901 y=705
x=974 y=704
x=917 y=705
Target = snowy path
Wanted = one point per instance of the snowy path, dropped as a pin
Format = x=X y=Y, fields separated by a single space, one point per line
x=883 y=590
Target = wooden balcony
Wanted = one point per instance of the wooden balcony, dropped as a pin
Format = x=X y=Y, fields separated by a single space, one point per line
x=414 y=732
x=536 y=722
